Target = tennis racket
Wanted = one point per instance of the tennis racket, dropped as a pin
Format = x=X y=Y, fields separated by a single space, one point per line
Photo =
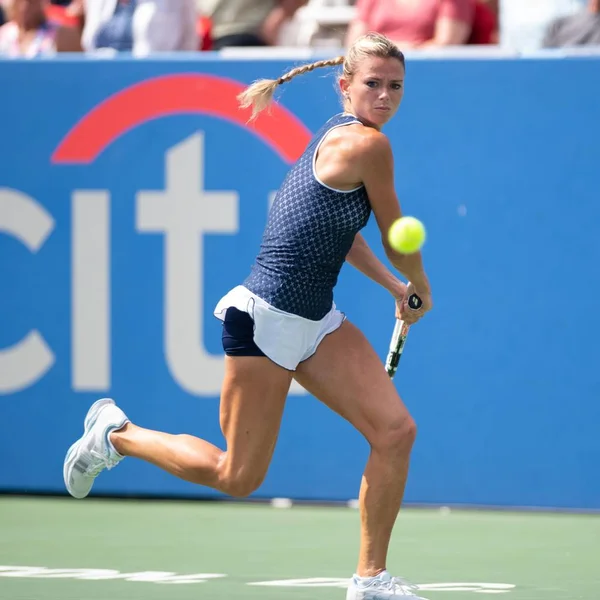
x=399 y=338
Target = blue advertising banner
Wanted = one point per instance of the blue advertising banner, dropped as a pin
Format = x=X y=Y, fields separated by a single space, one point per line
x=133 y=196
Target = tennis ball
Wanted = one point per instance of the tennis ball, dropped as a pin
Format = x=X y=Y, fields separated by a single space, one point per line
x=406 y=235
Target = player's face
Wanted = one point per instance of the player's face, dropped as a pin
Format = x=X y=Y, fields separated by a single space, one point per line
x=375 y=91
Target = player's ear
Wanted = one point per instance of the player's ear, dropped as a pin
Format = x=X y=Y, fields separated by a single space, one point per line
x=344 y=84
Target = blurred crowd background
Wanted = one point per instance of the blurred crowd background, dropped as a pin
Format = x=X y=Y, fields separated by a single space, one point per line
x=30 y=28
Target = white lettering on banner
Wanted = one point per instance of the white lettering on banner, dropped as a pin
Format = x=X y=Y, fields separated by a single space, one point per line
x=25 y=362
x=183 y=212
x=90 y=290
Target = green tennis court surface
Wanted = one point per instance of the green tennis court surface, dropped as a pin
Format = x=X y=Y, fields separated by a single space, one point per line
x=64 y=549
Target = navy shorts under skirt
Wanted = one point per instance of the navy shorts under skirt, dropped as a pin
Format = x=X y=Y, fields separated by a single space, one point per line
x=238 y=334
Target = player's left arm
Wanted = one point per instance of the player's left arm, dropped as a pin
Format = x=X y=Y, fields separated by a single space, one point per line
x=362 y=258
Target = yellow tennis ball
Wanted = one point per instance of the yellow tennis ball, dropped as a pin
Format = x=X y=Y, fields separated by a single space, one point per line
x=407 y=235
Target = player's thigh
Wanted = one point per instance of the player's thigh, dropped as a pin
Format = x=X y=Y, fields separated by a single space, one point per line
x=346 y=374
x=253 y=397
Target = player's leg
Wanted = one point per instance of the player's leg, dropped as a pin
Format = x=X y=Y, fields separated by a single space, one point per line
x=252 y=402
x=347 y=375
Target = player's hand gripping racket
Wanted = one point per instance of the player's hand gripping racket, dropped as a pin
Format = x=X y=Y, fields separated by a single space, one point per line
x=399 y=338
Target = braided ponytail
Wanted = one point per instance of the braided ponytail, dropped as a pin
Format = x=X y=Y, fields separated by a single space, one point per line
x=260 y=94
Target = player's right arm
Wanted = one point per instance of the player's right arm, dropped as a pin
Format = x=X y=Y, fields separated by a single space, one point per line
x=374 y=163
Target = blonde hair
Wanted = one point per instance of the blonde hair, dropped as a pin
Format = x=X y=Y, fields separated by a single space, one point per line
x=260 y=94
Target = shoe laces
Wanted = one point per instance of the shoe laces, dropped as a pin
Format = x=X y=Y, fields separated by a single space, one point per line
x=101 y=462
x=398 y=584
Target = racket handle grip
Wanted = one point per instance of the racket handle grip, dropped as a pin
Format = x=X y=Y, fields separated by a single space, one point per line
x=414 y=302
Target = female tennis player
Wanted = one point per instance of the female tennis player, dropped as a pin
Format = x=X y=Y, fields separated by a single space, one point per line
x=281 y=322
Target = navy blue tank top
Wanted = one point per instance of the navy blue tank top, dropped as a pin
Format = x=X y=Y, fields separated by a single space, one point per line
x=310 y=229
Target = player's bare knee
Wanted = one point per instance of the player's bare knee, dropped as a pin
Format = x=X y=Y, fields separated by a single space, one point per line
x=396 y=437
x=410 y=430
x=241 y=483
x=243 y=487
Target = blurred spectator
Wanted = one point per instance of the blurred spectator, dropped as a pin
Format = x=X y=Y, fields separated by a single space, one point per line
x=28 y=32
x=524 y=23
x=247 y=22
x=140 y=26
x=493 y=6
x=484 y=28
x=2 y=16
x=66 y=12
x=580 y=29
x=204 y=31
x=415 y=23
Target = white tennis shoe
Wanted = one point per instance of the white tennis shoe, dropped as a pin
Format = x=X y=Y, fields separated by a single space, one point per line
x=381 y=587
x=93 y=452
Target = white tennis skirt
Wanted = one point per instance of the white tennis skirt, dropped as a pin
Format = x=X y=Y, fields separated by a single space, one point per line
x=285 y=338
